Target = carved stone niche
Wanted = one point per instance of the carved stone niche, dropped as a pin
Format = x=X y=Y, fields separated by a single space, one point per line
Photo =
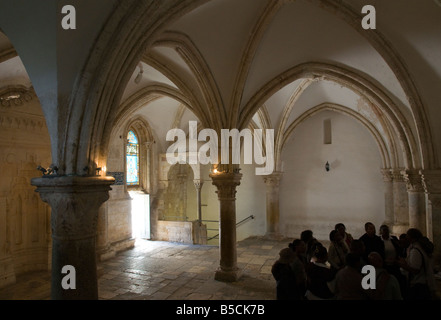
x=11 y=96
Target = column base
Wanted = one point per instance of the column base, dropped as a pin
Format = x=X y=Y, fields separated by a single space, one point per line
x=228 y=275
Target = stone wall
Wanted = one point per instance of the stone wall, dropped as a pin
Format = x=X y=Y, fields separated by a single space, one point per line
x=25 y=239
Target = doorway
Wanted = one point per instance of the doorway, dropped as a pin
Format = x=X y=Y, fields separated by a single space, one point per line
x=140 y=214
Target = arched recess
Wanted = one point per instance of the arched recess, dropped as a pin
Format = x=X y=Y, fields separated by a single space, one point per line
x=180 y=195
x=353 y=81
x=384 y=150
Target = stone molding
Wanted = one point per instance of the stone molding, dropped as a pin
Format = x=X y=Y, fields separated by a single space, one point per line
x=11 y=96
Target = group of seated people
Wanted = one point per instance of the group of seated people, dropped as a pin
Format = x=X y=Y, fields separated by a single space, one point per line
x=307 y=270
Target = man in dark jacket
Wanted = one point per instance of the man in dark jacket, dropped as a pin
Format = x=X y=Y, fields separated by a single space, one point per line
x=372 y=242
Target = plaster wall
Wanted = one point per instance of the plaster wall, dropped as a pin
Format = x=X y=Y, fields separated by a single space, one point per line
x=352 y=191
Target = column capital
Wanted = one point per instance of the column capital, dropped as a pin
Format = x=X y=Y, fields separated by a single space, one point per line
x=431 y=181
x=387 y=174
x=273 y=179
x=74 y=202
x=413 y=180
x=198 y=183
x=397 y=175
x=226 y=183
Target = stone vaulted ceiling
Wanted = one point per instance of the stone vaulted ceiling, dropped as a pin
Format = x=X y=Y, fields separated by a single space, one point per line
x=273 y=63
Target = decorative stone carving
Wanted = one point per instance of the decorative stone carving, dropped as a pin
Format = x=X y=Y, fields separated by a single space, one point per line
x=273 y=180
x=15 y=96
x=226 y=184
x=431 y=181
x=387 y=175
x=413 y=180
x=397 y=175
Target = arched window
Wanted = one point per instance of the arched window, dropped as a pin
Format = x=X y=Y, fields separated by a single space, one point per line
x=132 y=155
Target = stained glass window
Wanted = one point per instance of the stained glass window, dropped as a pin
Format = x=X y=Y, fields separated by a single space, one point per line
x=132 y=155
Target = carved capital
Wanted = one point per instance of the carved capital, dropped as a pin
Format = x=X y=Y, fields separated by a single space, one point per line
x=273 y=180
x=74 y=203
x=431 y=181
x=397 y=175
x=413 y=180
x=387 y=174
x=198 y=183
x=226 y=184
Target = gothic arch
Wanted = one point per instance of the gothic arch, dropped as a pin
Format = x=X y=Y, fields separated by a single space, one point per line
x=349 y=79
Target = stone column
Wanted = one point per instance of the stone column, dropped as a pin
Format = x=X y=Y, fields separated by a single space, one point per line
x=198 y=185
x=432 y=185
x=226 y=183
x=272 y=183
x=102 y=240
x=417 y=200
x=388 y=198
x=401 y=203
x=75 y=202
x=146 y=183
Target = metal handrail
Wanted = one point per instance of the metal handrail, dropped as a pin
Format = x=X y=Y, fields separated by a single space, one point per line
x=237 y=224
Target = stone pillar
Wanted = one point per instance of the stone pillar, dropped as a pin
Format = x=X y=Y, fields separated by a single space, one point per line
x=432 y=185
x=401 y=203
x=417 y=200
x=198 y=185
x=75 y=202
x=226 y=183
x=7 y=270
x=146 y=181
x=102 y=240
x=272 y=183
x=388 y=198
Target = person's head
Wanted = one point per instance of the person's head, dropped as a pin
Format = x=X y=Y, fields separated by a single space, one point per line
x=298 y=246
x=341 y=228
x=320 y=253
x=413 y=235
x=335 y=236
x=384 y=231
x=369 y=227
x=306 y=235
x=353 y=260
x=286 y=256
x=375 y=259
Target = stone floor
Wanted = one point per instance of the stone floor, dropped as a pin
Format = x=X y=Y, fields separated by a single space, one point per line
x=157 y=270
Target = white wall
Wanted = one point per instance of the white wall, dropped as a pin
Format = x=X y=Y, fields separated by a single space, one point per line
x=250 y=200
x=351 y=192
